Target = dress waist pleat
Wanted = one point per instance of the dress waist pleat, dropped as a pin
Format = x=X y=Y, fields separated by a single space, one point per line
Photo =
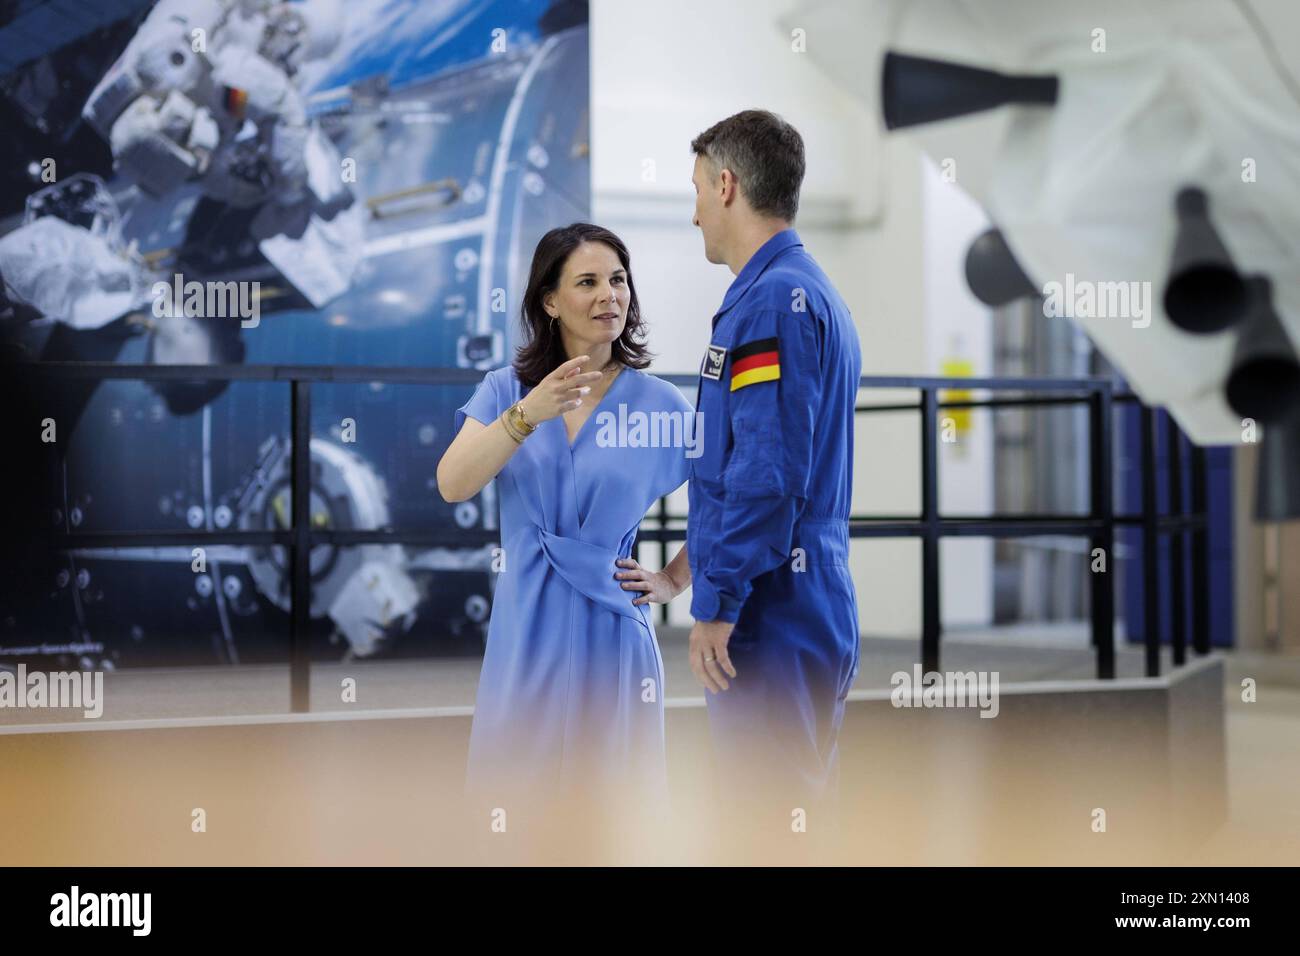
x=589 y=569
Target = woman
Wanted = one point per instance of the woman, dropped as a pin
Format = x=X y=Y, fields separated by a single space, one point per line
x=570 y=701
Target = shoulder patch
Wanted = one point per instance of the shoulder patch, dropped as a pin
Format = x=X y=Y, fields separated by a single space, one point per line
x=714 y=359
x=755 y=361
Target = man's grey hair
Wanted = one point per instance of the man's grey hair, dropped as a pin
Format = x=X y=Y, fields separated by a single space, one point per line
x=764 y=153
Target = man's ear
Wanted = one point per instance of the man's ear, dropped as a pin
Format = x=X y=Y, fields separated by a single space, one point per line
x=728 y=181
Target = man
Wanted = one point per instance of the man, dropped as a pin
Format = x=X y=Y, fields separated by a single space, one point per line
x=776 y=633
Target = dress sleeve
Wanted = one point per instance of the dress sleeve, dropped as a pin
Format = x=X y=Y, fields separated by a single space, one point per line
x=677 y=468
x=484 y=405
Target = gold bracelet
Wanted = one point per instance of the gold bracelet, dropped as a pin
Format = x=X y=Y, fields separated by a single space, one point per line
x=529 y=427
x=520 y=420
x=509 y=427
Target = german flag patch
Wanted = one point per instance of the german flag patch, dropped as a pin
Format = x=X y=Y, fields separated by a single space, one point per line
x=754 y=362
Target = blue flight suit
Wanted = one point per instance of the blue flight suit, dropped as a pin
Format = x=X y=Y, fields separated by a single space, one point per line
x=768 y=537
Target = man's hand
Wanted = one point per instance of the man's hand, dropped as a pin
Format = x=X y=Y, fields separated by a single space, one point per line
x=709 y=659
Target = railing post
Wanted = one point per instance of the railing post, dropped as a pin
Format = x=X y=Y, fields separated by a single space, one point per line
x=663 y=551
x=1150 y=545
x=1178 y=588
x=300 y=551
x=1101 y=492
x=1200 y=555
x=930 y=533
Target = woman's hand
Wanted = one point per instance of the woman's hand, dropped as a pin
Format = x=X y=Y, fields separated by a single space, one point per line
x=559 y=392
x=655 y=586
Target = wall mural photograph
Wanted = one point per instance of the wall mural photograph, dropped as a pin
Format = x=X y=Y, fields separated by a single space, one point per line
x=315 y=183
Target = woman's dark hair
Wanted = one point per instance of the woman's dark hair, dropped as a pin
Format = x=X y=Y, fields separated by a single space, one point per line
x=543 y=350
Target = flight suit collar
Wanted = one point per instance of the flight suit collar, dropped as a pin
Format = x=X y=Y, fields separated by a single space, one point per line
x=758 y=262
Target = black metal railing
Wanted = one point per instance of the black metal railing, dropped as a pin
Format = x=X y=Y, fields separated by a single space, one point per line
x=1098 y=526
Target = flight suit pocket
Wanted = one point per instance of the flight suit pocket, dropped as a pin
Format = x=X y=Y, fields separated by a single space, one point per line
x=756 y=464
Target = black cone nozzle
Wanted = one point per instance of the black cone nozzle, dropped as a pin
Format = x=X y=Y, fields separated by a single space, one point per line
x=916 y=90
x=1205 y=292
x=1264 y=383
x=992 y=272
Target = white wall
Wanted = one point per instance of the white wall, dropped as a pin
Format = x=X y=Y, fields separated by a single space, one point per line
x=664 y=72
x=959 y=326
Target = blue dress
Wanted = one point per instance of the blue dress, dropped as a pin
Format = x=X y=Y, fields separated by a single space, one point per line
x=571 y=694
